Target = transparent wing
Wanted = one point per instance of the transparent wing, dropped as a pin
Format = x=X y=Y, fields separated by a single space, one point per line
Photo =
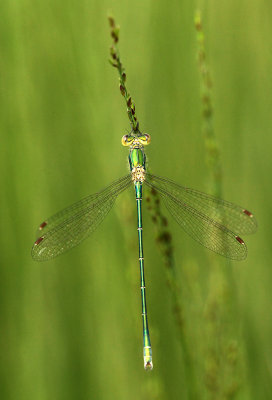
x=70 y=226
x=212 y=222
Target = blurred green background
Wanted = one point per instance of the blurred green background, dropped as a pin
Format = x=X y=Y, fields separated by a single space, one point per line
x=71 y=328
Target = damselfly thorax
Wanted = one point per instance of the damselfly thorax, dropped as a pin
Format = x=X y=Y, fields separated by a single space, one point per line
x=137 y=157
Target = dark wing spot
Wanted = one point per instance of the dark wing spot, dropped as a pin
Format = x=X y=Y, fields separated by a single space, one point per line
x=248 y=213
x=239 y=240
x=38 y=241
x=43 y=225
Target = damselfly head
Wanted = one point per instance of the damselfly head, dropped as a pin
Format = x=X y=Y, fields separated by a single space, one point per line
x=131 y=140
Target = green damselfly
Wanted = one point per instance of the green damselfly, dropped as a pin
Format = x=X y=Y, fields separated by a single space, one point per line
x=212 y=222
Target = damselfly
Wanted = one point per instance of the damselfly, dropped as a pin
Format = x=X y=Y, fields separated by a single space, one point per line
x=212 y=222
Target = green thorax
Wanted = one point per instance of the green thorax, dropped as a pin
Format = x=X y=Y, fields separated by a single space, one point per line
x=136 y=158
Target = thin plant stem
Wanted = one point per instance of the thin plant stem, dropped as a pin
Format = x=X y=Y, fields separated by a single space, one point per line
x=213 y=158
x=164 y=240
x=221 y=353
x=116 y=62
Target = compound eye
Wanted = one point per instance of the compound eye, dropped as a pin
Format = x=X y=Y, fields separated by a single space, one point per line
x=127 y=140
x=124 y=140
x=148 y=138
x=145 y=139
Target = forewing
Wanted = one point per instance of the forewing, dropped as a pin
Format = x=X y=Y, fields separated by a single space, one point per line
x=200 y=226
x=237 y=219
x=70 y=226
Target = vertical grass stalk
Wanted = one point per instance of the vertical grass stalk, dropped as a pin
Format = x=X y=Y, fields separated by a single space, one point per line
x=221 y=349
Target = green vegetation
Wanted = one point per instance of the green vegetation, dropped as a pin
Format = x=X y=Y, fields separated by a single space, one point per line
x=71 y=328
